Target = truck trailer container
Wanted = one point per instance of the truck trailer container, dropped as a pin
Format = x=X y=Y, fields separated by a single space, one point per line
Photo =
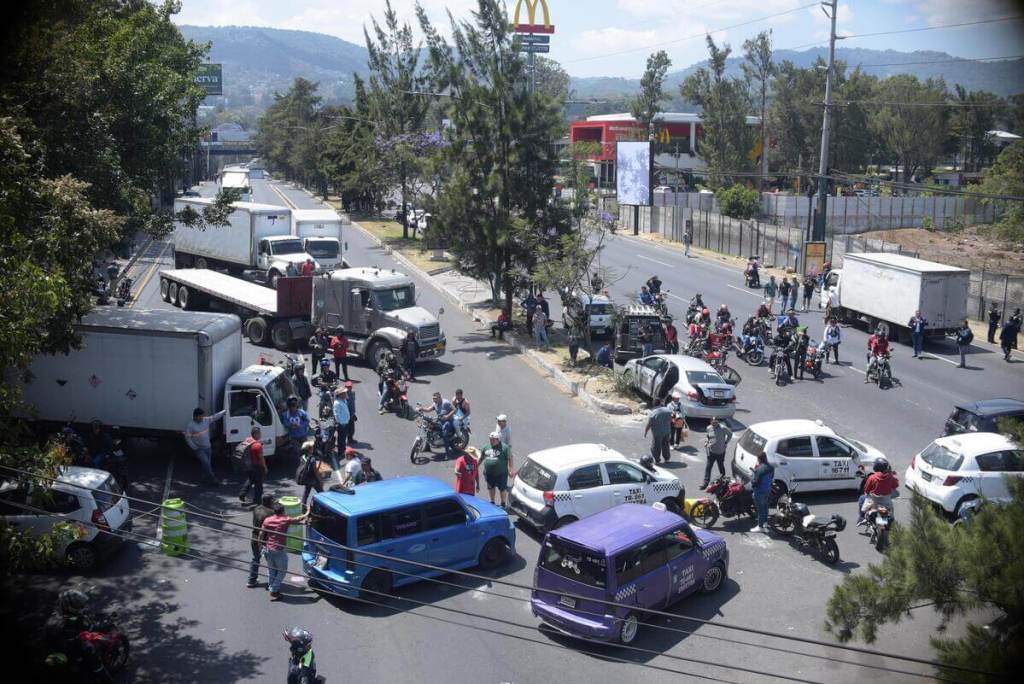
x=320 y=230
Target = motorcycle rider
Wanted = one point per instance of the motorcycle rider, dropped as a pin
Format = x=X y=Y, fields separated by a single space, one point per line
x=748 y=335
x=763 y=311
x=878 y=346
x=64 y=627
x=878 y=489
x=751 y=272
x=445 y=413
x=654 y=285
x=785 y=344
x=723 y=316
x=462 y=410
x=802 y=342
x=296 y=421
x=301 y=660
x=392 y=390
x=645 y=296
x=694 y=307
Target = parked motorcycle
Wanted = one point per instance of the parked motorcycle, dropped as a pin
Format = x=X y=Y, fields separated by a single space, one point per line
x=106 y=640
x=780 y=368
x=816 y=355
x=729 y=498
x=430 y=437
x=398 y=401
x=751 y=350
x=796 y=520
x=879 y=521
x=124 y=291
x=880 y=372
x=326 y=407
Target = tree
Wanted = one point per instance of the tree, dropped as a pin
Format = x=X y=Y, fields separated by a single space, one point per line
x=646 y=106
x=551 y=80
x=738 y=201
x=1006 y=178
x=726 y=140
x=289 y=135
x=910 y=120
x=494 y=209
x=957 y=570
x=758 y=69
x=973 y=115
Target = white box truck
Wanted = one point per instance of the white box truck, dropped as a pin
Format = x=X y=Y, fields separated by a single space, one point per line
x=146 y=371
x=257 y=237
x=882 y=288
x=320 y=230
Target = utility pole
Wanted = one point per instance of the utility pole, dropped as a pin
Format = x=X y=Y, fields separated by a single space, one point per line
x=826 y=124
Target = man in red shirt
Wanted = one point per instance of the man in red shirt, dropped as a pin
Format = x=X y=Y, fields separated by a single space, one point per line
x=671 y=337
x=272 y=537
x=255 y=465
x=878 y=345
x=307 y=268
x=339 y=347
x=878 y=488
x=467 y=472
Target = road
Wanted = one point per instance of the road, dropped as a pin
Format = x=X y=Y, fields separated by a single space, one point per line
x=194 y=619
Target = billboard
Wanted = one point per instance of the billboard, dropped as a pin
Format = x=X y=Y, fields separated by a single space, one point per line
x=633 y=173
x=208 y=77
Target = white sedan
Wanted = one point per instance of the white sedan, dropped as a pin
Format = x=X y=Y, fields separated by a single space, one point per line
x=703 y=392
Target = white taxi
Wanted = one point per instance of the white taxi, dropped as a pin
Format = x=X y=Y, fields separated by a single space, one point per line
x=954 y=470
x=557 y=486
x=805 y=453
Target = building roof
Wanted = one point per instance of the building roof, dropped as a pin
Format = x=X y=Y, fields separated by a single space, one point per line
x=663 y=117
x=618 y=528
x=378 y=496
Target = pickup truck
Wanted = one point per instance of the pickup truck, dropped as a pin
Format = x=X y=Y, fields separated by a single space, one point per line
x=376 y=307
x=886 y=289
x=145 y=372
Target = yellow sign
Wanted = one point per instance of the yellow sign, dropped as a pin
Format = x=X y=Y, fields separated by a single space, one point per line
x=531 y=25
x=814 y=257
x=664 y=137
x=755 y=153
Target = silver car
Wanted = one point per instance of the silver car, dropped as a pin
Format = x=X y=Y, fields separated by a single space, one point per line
x=703 y=393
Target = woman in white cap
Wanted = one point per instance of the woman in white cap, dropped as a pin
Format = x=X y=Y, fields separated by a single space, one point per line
x=504 y=430
x=679 y=427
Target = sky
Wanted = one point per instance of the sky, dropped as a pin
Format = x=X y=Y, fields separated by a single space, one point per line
x=614 y=37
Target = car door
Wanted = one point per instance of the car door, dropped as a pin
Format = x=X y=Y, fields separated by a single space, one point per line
x=405 y=539
x=685 y=565
x=652 y=367
x=994 y=468
x=451 y=540
x=588 y=491
x=652 y=586
x=249 y=406
x=626 y=482
x=795 y=463
x=837 y=463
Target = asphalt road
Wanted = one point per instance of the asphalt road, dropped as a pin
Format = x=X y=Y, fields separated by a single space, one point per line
x=194 y=620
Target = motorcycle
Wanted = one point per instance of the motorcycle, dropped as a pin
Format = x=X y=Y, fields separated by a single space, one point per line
x=729 y=498
x=106 y=640
x=324 y=441
x=751 y=350
x=717 y=360
x=816 y=355
x=124 y=291
x=780 y=368
x=879 y=521
x=661 y=304
x=751 y=275
x=326 y=406
x=795 y=520
x=430 y=437
x=880 y=371
x=398 y=401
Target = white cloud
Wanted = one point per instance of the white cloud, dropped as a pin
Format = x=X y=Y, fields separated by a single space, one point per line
x=823 y=24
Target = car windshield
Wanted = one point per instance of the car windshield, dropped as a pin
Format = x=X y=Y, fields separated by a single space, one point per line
x=940 y=457
x=332 y=525
x=395 y=298
x=752 y=443
x=287 y=247
x=575 y=563
x=536 y=476
x=322 y=249
x=858 y=445
x=600 y=309
x=279 y=389
x=107 y=494
x=704 y=377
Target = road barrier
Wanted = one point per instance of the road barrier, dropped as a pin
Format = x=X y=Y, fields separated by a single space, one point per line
x=173 y=528
x=293 y=508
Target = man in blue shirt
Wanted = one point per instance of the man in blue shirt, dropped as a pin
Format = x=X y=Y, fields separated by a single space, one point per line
x=761 y=485
x=342 y=418
x=604 y=355
x=296 y=422
x=645 y=296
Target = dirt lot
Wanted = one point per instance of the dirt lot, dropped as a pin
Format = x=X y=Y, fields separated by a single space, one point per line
x=967 y=249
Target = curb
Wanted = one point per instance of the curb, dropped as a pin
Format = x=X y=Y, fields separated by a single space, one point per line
x=554 y=372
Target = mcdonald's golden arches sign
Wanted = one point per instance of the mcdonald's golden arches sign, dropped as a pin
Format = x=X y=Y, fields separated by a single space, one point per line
x=531 y=25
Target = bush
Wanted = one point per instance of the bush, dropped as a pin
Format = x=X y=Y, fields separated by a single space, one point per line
x=738 y=202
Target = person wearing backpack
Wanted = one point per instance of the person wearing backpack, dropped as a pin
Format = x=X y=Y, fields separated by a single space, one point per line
x=255 y=466
x=964 y=337
x=307 y=475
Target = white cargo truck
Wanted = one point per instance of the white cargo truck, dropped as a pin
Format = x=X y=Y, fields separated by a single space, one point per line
x=257 y=237
x=146 y=371
x=320 y=230
x=886 y=289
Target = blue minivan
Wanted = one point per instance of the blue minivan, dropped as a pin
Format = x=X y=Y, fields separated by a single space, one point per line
x=634 y=556
x=418 y=519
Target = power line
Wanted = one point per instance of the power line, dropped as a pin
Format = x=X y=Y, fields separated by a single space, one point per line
x=938 y=61
x=1016 y=17
x=958 y=105
x=427 y=566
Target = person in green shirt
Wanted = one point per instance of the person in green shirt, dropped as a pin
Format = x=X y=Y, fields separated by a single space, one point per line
x=497 y=466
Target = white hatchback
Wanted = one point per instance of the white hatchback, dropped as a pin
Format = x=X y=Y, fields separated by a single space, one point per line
x=954 y=470
x=805 y=453
x=89 y=499
x=561 y=485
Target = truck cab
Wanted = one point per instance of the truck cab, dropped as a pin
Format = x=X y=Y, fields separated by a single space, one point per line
x=257 y=395
x=326 y=252
x=378 y=309
x=275 y=252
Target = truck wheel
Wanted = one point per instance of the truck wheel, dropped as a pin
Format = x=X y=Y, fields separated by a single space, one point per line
x=281 y=335
x=172 y=293
x=376 y=352
x=163 y=290
x=184 y=298
x=257 y=331
x=201 y=263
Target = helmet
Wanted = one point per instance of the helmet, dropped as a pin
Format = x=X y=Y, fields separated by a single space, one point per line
x=300 y=640
x=325 y=363
x=495 y=435
x=801 y=510
x=293 y=400
x=706 y=312
x=647 y=461
x=72 y=601
x=723 y=307
x=881 y=465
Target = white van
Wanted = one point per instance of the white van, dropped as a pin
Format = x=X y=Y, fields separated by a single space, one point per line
x=601 y=310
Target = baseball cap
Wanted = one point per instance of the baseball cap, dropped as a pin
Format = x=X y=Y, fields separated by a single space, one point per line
x=348 y=384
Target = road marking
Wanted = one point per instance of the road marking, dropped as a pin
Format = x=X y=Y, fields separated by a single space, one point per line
x=656 y=261
x=291 y=205
x=157 y=263
x=954 y=363
x=745 y=291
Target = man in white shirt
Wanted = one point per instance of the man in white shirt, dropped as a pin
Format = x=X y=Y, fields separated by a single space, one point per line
x=197 y=436
x=353 y=466
x=504 y=430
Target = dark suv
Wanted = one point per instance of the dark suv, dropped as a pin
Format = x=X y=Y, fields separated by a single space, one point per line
x=982 y=416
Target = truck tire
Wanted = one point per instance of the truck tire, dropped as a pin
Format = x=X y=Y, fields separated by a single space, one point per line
x=257 y=331
x=375 y=352
x=185 y=298
x=164 y=284
x=281 y=335
x=201 y=263
x=172 y=293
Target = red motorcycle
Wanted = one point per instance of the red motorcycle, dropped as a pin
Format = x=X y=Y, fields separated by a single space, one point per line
x=730 y=498
x=104 y=641
x=110 y=643
x=398 y=399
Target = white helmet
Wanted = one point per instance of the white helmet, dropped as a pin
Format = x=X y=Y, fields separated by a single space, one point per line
x=495 y=435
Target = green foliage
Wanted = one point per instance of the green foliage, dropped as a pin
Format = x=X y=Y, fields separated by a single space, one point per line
x=911 y=129
x=738 y=201
x=1006 y=177
x=957 y=570
x=289 y=135
x=970 y=121
x=647 y=104
x=552 y=80
x=758 y=69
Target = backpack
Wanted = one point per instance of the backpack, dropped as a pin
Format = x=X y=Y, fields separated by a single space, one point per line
x=966 y=337
x=240 y=459
x=306 y=472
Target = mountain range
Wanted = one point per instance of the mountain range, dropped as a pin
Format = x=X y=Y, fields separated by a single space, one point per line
x=261 y=61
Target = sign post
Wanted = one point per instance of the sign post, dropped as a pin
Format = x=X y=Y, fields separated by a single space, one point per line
x=813 y=257
x=530 y=42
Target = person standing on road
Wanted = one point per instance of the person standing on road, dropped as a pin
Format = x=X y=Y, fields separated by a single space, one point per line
x=808 y=291
x=309 y=471
x=504 y=430
x=784 y=290
x=530 y=305
x=1007 y=337
x=318 y=345
x=794 y=294
x=307 y=268
x=964 y=337
x=264 y=510
x=353 y=467
x=540 y=328
x=771 y=288
x=342 y=417
x=833 y=337
x=350 y=398
x=467 y=472
x=993 y=322
x=197 y=436
x=718 y=437
x=255 y=466
x=296 y=422
x=273 y=538
x=339 y=348
x=497 y=465
x=917 y=325
x=687 y=241
x=800 y=353
x=671 y=337
x=290 y=271
x=410 y=351
x=1018 y=320
x=761 y=485
x=679 y=427
x=302 y=387
x=659 y=424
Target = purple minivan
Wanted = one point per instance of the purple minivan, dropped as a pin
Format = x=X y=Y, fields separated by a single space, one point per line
x=636 y=556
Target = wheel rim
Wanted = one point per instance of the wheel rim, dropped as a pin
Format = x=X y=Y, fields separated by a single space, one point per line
x=172 y=293
x=163 y=289
x=713 y=578
x=629 y=629
x=831 y=552
x=708 y=515
x=183 y=297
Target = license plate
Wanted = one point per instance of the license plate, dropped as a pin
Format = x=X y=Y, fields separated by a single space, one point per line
x=926 y=477
x=321 y=562
x=718 y=394
x=882 y=522
x=567 y=601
